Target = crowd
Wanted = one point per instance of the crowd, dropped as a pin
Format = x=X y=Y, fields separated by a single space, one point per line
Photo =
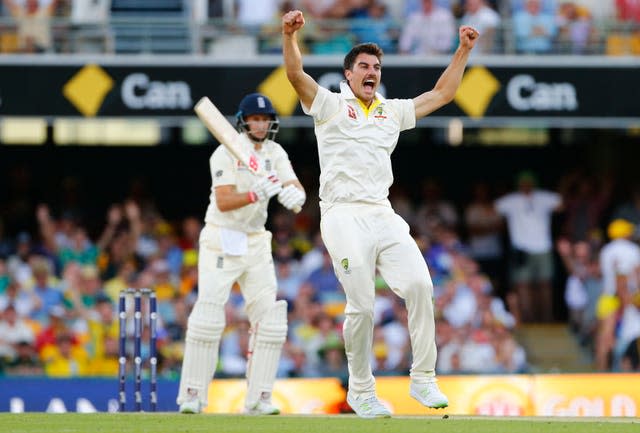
x=411 y=27
x=59 y=282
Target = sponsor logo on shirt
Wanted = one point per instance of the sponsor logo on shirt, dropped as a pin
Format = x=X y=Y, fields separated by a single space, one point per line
x=351 y=112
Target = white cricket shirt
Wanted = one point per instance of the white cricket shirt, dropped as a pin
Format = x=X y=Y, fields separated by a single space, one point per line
x=620 y=256
x=355 y=147
x=227 y=170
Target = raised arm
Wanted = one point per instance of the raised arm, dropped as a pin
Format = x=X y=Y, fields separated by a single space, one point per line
x=447 y=85
x=305 y=86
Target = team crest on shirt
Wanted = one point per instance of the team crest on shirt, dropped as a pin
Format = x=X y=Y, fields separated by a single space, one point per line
x=218 y=173
x=220 y=262
x=345 y=265
x=351 y=112
x=379 y=113
x=267 y=164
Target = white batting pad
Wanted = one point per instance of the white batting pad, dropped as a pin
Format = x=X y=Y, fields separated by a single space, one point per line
x=204 y=330
x=266 y=344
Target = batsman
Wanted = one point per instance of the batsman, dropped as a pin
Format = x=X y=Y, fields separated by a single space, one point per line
x=357 y=130
x=236 y=247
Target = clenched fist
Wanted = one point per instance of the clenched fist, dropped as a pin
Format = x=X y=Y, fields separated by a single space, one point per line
x=292 y=21
x=468 y=36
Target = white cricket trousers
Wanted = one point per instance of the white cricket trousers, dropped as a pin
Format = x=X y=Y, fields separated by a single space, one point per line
x=364 y=237
x=254 y=272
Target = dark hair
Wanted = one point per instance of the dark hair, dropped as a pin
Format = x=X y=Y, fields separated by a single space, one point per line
x=368 y=48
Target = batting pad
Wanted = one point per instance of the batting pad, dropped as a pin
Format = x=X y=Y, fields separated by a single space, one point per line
x=266 y=344
x=204 y=330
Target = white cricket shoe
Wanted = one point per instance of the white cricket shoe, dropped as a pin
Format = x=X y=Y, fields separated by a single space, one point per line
x=192 y=404
x=262 y=408
x=429 y=394
x=367 y=406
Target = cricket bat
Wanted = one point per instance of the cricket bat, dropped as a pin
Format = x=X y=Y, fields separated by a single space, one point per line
x=228 y=136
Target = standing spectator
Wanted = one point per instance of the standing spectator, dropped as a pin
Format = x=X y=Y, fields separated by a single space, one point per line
x=34 y=24
x=534 y=29
x=428 y=31
x=484 y=19
x=528 y=212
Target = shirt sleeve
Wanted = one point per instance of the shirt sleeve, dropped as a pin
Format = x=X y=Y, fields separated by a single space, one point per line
x=407 y=110
x=502 y=205
x=551 y=199
x=283 y=165
x=223 y=168
x=324 y=105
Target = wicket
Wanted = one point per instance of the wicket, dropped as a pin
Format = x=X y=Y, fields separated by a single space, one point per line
x=137 y=348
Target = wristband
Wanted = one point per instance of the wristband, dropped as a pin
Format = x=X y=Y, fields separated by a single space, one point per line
x=252 y=196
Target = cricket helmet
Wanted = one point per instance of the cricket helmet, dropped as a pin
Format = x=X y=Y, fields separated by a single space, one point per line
x=257 y=103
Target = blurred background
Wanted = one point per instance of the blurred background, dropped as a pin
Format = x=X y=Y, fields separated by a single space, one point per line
x=104 y=180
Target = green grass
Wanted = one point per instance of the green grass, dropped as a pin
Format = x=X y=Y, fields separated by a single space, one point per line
x=176 y=423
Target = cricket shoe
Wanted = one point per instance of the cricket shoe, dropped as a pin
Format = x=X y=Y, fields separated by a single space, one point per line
x=429 y=394
x=262 y=408
x=192 y=404
x=367 y=406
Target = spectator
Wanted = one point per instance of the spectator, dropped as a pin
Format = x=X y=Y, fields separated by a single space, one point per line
x=335 y=9
x=48 y=296
x=534 y=29
x=13 y=330
x=26 y=362
x=628 y=10
x=253 y=15
x=34 y=24
x=528 y=213
x=484 y=19
x=90 y=12
x=585 y=200
x=375 y=26
x=65 y=359
x=575 y=28
x=18 y=262
x=583 y=287
x=23 y=301
x=434 y=210
x=428 y=31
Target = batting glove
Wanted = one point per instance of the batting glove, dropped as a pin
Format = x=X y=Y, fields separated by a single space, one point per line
x=292 y=197
x=265 y=188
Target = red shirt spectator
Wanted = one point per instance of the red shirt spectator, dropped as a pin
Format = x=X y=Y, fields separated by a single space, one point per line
x=628 y=10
